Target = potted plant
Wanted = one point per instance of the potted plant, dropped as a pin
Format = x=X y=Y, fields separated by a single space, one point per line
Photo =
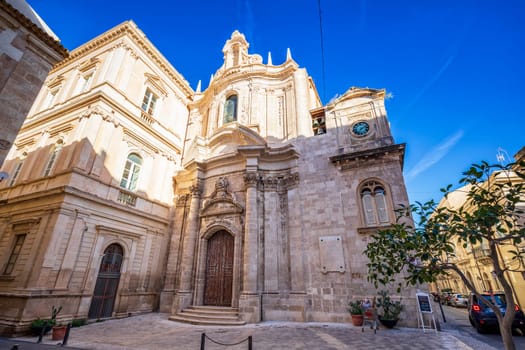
x=59 y=330
x=39 y=325
x=356 y=311
x=391 y=309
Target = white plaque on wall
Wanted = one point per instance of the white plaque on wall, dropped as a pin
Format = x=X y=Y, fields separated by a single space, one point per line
x=331 y=253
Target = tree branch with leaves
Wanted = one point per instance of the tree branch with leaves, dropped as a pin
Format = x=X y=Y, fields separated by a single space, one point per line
x=491 y=213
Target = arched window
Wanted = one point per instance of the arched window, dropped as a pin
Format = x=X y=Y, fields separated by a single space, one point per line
x=230 y=110
x=373 y=199
x=131 y=172
x=112 y=259
x=53 y=157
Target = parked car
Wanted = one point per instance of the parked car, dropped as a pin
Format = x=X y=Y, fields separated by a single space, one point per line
x=459 y=300
x=483 y=318
x=445 y=298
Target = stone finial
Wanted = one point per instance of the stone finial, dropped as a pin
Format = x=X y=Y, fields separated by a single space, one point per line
x=288 y=54
x=270 y=59
x=198 y=89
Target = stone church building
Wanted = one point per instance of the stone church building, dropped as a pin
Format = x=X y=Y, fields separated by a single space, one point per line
x=130 y=192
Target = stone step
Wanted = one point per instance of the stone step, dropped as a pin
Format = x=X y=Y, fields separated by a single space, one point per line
x=200 y=315
x=206 y=321
x=212 y=310
x=209 y=315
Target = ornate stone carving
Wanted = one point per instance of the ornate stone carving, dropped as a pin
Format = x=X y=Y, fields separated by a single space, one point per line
x=182 y=199
x=251 y=179
x=281 y=182
x=221 y=188
x=283 y=206
x=96 y=110
x=222 y=201
x=195 y=190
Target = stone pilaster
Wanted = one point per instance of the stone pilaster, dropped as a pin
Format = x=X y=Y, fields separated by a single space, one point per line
x=184 y=292
x=249 y=301
x=250 y=239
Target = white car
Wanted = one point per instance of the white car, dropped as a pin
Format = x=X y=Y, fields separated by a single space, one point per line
x=459 y=300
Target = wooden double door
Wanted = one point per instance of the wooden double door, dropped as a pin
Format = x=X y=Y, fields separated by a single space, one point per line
x=219 y=270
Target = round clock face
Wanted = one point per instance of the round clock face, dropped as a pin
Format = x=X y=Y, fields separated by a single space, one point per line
x=360 y=128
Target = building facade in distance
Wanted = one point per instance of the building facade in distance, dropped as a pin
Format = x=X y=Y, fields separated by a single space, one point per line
x=475 y=260
x=28 y=51
x=132 y=193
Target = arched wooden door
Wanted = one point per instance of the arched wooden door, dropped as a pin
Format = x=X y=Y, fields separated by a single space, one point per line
x=107 y=283
x=219 y=270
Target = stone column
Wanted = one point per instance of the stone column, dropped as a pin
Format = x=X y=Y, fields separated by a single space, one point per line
x=249 y=302
x=250 y=236
x=188 y=251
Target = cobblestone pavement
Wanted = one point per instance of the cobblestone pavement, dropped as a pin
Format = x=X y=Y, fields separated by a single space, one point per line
x=154 y=331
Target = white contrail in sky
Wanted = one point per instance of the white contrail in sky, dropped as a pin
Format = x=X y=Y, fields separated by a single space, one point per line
x=431 y=81
x=434 y=155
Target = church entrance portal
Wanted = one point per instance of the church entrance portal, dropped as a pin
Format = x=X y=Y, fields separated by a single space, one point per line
x=219 y=270
x=107 y=283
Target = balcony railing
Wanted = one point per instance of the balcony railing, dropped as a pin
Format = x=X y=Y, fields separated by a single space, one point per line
x=481 y=252
x=146 y=117
x=127 y=198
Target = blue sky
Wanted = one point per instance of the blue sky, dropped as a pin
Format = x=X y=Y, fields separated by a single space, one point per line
x=455 y=69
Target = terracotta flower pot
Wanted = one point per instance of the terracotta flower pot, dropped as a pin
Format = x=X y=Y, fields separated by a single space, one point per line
x=59 y=332
x=357 y=320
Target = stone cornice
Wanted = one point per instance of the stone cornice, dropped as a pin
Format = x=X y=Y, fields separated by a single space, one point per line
x=83 y=108
x=34 y=29
x=278 y=182
x=355 y=92
x=73 y=191
x=354 y=159
x=116 y=231
x=130 y=29
x=370 y=230
x=251 y=71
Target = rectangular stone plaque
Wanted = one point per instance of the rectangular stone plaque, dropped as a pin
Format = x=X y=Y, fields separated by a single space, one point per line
x=331 y=253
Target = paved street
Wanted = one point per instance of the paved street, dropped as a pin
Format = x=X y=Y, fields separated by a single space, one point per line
x=155 y=331
x=459 y=325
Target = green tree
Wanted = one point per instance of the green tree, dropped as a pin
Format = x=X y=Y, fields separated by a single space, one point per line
x=491 y=214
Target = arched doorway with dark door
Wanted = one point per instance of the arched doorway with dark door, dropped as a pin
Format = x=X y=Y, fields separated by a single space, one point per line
x=107 y=283
x=219 y=270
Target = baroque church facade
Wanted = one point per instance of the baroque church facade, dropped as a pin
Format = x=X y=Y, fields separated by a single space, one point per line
x=130 y=192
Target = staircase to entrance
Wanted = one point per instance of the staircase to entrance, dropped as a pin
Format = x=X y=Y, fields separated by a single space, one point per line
x=209 y=315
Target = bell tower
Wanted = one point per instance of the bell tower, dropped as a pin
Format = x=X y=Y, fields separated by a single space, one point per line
x=235 y=50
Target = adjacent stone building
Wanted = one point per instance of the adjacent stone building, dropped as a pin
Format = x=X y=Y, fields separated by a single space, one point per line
x=475 y=260
x=131 y=192
x=28 y=50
